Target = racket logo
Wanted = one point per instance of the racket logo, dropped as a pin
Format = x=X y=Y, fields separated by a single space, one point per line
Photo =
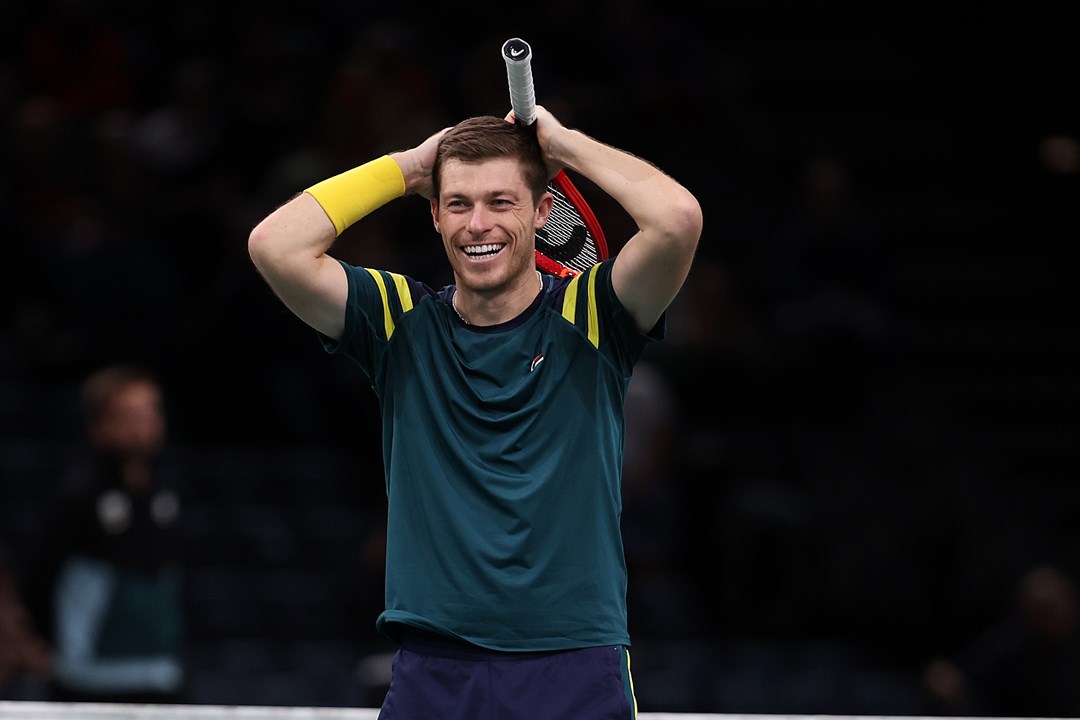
x=516 y=50
x=536 y=362
x=574 y=240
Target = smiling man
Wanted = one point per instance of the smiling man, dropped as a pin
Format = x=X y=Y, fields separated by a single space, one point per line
x=501 y=399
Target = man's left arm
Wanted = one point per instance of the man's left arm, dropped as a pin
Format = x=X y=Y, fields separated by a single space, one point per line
x=652 y=266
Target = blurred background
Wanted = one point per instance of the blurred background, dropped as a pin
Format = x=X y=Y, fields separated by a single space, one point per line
x=856 y=442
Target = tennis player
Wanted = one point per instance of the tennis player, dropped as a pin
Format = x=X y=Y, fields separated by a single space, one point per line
x=502 y=410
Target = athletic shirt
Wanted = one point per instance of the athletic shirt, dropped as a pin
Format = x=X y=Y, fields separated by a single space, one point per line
x=502 y=448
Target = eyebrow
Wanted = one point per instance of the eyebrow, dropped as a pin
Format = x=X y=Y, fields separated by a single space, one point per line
x=487 y=195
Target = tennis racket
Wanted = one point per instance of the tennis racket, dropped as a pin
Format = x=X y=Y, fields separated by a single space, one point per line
x=571 y=241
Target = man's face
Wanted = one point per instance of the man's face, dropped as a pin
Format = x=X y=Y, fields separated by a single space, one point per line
x=132 y=423
x=488 y=222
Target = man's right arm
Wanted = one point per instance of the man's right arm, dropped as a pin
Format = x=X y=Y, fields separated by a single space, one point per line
x=289 y=247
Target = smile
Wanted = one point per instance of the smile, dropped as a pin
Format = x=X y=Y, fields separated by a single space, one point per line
x=483 y=251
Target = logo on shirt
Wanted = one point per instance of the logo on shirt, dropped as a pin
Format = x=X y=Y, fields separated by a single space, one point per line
x=536 y=362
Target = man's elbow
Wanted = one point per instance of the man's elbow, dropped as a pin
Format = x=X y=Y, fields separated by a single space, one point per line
x=686 y=221
x=265 y=247
x=259 y=243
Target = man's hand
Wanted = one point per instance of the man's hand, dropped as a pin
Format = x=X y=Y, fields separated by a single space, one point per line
x=547 y=127
x=416 y=164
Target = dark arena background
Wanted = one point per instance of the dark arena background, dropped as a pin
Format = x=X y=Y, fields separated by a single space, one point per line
x=849 y=461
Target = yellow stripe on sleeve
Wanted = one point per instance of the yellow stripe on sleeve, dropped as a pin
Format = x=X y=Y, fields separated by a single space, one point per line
x=388 y=320
x=594 y=320
x=404 y=294
x=569 y=303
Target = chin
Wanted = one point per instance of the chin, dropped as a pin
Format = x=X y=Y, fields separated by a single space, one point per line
x=485 y=276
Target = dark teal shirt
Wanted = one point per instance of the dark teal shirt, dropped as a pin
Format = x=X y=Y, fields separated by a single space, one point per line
x=503 y=451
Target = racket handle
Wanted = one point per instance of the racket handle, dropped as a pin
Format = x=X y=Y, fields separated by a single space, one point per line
x=518 y=57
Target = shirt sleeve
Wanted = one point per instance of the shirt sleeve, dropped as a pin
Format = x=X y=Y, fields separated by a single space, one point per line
x=376 y=303
x=589 y=302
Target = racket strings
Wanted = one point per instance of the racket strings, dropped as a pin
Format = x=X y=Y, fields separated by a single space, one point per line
x=565 y=238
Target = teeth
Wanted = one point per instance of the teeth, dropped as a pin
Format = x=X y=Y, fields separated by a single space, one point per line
x=482 y=249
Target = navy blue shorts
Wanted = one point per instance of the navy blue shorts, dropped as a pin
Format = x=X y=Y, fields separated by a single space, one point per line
x=444 y=679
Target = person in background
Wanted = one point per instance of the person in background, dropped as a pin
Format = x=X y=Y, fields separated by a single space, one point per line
x=1025 y=665
x=107 y=582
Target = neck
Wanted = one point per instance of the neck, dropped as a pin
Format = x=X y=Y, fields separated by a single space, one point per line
x=137 y=473
x=475 y=309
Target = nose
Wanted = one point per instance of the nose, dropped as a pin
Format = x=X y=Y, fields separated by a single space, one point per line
x=479 y=219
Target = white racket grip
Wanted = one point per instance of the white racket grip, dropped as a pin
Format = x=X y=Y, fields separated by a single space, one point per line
x=518 y=57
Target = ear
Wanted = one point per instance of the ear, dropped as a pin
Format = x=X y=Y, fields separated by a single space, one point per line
x=435 y=213
x=543 y=209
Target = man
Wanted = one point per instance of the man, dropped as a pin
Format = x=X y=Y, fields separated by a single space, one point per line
x=501 y=398
x=107 y=581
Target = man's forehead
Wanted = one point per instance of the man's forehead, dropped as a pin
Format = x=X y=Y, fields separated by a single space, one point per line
x=482 y=175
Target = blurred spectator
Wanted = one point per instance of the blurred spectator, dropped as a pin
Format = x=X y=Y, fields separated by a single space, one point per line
x=23 y=653
x=107 y=583
x=1027 y=665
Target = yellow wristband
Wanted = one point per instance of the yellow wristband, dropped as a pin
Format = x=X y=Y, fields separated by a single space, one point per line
x=355 y=193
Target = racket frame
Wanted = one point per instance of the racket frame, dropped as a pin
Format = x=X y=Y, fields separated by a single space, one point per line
x=517 y=55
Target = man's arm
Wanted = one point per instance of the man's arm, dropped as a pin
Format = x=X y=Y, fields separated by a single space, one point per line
x=289 y=247
x=83 y=594
x=652 y=266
